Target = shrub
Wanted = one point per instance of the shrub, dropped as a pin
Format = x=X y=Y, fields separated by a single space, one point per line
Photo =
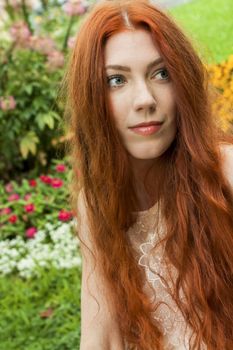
x=35 y=40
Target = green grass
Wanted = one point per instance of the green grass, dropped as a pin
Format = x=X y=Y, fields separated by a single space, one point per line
x=210 y=26
x=21 y=302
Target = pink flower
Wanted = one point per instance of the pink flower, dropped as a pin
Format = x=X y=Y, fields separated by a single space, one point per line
x=29 y=208
x=13 y=197
x=12 y=102
x=30 y=232
x=13 y=218
x=60 y=168
x=8 y=103
x=71 y=42
x=3 y=105
x=42 y=45
x=18 y=3
x=32 y=183
x=64 y=215
x=9 y=187
x=75 y=7
x=20 y=33
x=55 y=60
x=46 y=179
x=56 y=183
x=14 y=3
x=5 y=211
x=27 y=196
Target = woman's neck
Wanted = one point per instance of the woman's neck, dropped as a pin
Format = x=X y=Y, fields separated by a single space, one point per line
x=147 y=177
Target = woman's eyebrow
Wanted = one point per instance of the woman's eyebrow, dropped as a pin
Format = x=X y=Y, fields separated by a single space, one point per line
x=127 y=69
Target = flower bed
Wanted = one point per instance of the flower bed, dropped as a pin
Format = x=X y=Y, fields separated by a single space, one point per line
x=37 y=226
x=28 y=205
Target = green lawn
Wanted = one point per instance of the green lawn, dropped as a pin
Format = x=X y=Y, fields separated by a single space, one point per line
x=23 y=327
x=209 y=23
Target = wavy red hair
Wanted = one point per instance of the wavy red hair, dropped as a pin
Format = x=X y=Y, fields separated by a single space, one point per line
x=196 y=200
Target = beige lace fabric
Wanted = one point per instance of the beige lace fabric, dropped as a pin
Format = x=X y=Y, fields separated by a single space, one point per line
x=159 y=278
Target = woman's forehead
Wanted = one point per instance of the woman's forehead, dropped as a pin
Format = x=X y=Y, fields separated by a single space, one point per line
x=128 y=45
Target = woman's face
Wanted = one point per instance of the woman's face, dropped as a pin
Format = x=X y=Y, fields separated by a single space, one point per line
x=140 y=91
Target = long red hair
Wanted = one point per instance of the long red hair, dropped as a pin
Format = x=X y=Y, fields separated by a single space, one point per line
x=196 y=200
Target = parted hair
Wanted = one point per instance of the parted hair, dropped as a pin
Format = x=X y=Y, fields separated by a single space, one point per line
x=195 y=198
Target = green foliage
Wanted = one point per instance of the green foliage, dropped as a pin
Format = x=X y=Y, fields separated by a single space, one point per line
x=41 y=314
x=36 y=116
x=33 y=50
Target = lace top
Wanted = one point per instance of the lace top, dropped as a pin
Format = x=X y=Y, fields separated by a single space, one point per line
x=160 y=276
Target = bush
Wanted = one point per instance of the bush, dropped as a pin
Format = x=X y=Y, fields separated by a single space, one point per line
x=34 y=44
x=29 y=115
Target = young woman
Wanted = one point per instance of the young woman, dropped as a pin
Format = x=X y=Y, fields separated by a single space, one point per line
x=153 y=183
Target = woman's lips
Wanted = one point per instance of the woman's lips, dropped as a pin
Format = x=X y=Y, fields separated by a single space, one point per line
x=146 y=130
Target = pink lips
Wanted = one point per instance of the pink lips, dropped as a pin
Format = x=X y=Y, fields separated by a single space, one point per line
x=146 y=129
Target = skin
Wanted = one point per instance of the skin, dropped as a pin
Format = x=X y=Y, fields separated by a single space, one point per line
x=140 y=91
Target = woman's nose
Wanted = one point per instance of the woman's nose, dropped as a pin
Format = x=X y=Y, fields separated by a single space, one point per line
x=143 y=98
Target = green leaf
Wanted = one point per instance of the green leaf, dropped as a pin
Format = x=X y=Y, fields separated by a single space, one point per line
x=28 y=144
x=28 y=89
x=48 y=119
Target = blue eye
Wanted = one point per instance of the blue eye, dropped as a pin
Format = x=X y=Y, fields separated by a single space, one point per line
x=115 y=80
x=162 y=74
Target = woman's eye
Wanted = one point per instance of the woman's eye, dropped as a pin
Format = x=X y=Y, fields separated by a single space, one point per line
x=115 y=80
x=162 y=74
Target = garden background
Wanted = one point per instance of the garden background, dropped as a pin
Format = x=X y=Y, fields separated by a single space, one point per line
x=40 y=263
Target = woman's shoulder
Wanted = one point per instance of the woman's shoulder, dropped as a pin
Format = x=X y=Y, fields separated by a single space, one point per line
x=226 y=147
x=226 y=151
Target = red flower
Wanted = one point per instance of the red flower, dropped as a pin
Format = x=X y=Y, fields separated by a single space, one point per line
x=46 y=179
x=13 y=218
x=64 y=215
x=30 y=232
x=60 y=168
x=5 y=211
x=32 y=182
x=13 y=197
x=56 y=183
x=29 y=208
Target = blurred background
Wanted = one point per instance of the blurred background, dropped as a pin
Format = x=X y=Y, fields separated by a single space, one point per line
x=40 y=263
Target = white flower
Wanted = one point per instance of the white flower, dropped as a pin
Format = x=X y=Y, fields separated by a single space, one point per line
x=23 y=257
